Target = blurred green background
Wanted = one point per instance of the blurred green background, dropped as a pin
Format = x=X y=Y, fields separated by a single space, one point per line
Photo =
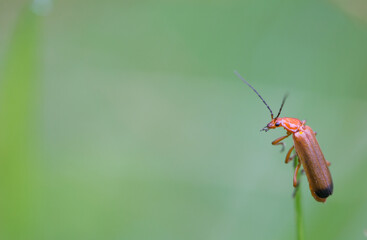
x=124 y=120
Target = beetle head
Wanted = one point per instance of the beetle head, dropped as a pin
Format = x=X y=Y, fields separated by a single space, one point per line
x=274 y=123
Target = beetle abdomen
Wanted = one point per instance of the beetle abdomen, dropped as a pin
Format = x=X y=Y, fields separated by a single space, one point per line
x=324 y=193
x=314 y=164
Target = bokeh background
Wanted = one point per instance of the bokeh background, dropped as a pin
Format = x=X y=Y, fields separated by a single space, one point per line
x=124 y=120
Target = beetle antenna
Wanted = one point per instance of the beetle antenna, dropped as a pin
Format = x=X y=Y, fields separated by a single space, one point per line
x=240 y=77
x=284 y=98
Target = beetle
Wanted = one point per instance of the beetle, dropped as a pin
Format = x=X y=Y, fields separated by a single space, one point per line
x=307 y=149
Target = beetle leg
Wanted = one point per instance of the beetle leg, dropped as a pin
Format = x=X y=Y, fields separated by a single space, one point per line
x=296 y=188
x=295 y=184
x=293 y=156
x=328 y=163
x=277 y=141
x=288 y=157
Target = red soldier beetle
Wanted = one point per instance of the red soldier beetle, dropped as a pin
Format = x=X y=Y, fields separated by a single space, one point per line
x=307 y=149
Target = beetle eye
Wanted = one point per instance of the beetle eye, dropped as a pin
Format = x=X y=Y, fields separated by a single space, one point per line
x=277 y=124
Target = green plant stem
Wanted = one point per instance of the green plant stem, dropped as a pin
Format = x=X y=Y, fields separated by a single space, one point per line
x=298 y=207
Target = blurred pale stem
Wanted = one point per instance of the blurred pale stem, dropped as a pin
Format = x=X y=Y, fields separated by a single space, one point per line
x=19 y=132
x=298 y=207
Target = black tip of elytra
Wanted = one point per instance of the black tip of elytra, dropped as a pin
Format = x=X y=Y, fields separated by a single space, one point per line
x=324 y=193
